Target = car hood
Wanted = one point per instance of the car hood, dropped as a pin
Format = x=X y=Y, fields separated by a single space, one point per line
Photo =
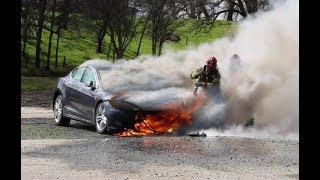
x=148 y=100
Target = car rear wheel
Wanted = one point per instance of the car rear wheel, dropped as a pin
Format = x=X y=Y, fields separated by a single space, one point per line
x=59 y=119
x=101 y=121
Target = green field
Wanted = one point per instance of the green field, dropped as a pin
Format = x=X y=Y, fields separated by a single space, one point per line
x=81 y=46
x=38 y=83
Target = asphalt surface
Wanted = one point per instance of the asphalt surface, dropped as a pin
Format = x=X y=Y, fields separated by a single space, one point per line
x=78 y=152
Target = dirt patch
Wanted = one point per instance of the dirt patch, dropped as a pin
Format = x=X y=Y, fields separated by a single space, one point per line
x=37 y=98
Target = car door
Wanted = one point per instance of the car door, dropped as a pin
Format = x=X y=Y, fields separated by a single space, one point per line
x=73 y=89
x=88 y=94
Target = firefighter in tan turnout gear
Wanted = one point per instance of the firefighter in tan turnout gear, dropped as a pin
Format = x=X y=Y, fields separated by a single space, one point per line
x=209 y=79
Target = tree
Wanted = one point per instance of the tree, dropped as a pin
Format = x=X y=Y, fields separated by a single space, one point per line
x=190 y=8
x=201 y=6
x=230 y=7
x=123 y=24
x=145 y=24
x=39 y=27
x=53 y=10
x=62 y=21
x=242 y=7
x=163 y=14
x=98 y=11
x=59 y=20
x=25 y=23
x=252 y=6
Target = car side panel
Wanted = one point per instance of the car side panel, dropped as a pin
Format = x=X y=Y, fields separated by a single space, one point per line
x=87 y=102
x=63 y=88
x=73 y=91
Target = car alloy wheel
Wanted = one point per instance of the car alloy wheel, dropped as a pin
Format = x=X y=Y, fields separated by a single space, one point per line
x=58 y=113
x=57 y=109
x=101 y=119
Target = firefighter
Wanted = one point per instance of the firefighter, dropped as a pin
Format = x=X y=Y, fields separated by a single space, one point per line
x=209 y=79
x=235 y=63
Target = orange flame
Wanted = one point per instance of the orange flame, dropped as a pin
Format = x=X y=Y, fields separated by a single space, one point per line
x=165 y=121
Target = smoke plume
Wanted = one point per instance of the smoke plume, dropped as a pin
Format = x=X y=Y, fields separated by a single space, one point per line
x=266 y=86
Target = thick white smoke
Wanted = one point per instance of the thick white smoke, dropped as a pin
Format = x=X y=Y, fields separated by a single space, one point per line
x=266 y=87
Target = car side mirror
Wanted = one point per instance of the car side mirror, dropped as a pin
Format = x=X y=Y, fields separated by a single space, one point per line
x=90 y=84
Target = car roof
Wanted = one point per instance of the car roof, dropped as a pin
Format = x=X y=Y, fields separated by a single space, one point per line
x=100 y=66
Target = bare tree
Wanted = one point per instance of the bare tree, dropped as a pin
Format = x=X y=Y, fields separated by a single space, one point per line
x=100 y=36
x=163 y=14
x=142 y=34
x=190 y=8
x=62 y=23
x=230 y=7
x=25 y=23
x=201 y=6
x=252 y=6
x=243 y=7
x=53 y=10
x=123 y=24
x=98 y=11
x=264 y=5
x=41 y=15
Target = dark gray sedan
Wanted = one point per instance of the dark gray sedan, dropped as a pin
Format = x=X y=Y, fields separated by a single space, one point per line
x=81 y=96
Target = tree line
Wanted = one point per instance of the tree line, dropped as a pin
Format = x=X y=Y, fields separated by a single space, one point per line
x=122 y=20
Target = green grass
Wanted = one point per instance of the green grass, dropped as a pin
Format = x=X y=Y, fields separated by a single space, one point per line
x=190 y=37
x=38 y=83
x=79 y=47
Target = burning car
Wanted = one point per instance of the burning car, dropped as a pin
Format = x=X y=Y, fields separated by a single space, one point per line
x=82 y=96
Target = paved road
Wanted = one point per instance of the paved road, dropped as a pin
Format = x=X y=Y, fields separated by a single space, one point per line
x=78 y=152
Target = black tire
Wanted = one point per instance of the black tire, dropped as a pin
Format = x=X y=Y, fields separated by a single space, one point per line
x=59 y=119
x=100 y=120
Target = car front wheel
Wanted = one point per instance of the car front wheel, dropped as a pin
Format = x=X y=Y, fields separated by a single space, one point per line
x=101 y=121
x=59 y=119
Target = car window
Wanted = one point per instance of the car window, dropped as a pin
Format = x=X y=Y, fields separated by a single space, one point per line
x=77 y=74
x=88 y=76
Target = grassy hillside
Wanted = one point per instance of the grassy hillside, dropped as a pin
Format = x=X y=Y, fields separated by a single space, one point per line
x=79 y=47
